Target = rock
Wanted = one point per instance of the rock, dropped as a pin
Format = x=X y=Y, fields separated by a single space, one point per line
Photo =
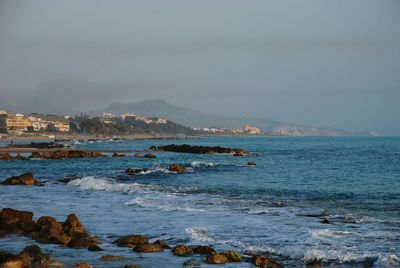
x=131 y=241
x=233 y=256
x=182 y=250
x=205 y=250
x=24 y=179
x=118 y=155
x=131 y=171
x=315 y=263
x=34 y=257
x=73 y=226
x=35 y=155
x=16 y=222
x=94 y=248
x=217 y=258
x=325 y=221
x=238 y=153
x=162 y=244
x=64 y=154
x=20 y=157
x=83 y=265
x=252 y=164
x=191 y=263
x=6 y=156
x=176 y=168
x=132 y=266
x=8 y=260
x=150 y=156
x=111 y=258
x=264 y=261
x=37 y=145
x=50 y=231
x=83 y=242
x=186 y=148
x=148 y=248
x=138 y=156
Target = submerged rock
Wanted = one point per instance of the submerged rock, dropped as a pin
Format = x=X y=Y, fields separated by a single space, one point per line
x=131 y=241
x=131 y=171
x=111 y=258
x=195 y=149
x=191 y=263
x=24 y=179
x=233 y=256
x=83 y=265
x=162 y=244
x=94 y=248
x=264 y=261
x=176 y=168
x=252 y=164
x=138 y=156
x=83 y=242
x=325 y=221
x=205 y=250
x=16 y=222
x=150 y=156
x=217 y=258
x=238 y=153
x=118 y=155
x=182 y=250
x=148 y=248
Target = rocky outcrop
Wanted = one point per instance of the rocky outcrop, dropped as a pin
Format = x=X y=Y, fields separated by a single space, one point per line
x=6 y=156
x=205 y=250
x=111 y=258
x=264 y=261
x=131 y=241
x=217 y=258
x=65 y=154
x=94 y=248
x=24 y=179
x=31 y=256
x=162 y=244
x=182 y=250
x=50 y=231
x=37 y=145
x=131 y=171
x=138 y=156
x=252 y=164
x=9 y=260
x=238 y=153
x=176 y=168
x=148 y=248
x=233 y=256
x=118 y=155
x=83 y=265
x=196 y=149
x=16 y=222
x=73 y=226
x=150 y=156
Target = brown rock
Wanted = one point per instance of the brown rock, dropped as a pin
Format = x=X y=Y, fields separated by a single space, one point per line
x=131 y=171
x=73 y=226
x=148 y=248
x=264 y=261
x=251 y=164
x=205 y=250
x=83 y=265
x=8 y=260
x=16 y=221
x=83 y=242
x=138 y=156
x=132 y=266
x=162 y=244
x=118 y=155
x=238 y=153
x=6 y=156
x=94 y=248
x=131 y=241
x=176 y=168
x=191 y=263
x=111 y=258
x=150 y=156
x=217 y=258
x=233 y=256
x=34 y=257
x=50 y=231
x=182 y=250
x=24 y=179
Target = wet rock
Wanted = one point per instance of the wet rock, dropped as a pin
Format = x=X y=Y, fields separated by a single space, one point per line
x=24 y=179
x=232 y=256
x=238 y=153
x=94 y=248
x=148 y=248
x=191 y=263
x=50 y=231
x=205 y=250
x=264 y=261
x=217 y=258
x=325 y=221
x=132 y=266
x=73 y=226
x=162 y=244
x=16 y=222
x=251 y=164
x=83 y=242
x=83 y=265
x=138 y=156
x=150 y=156
x=35 y=155
x=176 y=168
x=64 y=154
x=20 y=157
x=118 y=155
x=8 y=260
x=182 y=250
x=111 y=258
x=186 y=148
x=131 y=241
x=34 y=257
x=6 y=156
x=69 y=178
x=131 y=171
x=37 y=145
x=315 y=263
x=153 y=148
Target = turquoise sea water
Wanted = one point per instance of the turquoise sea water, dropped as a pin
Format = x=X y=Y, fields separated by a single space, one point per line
x=275 y=207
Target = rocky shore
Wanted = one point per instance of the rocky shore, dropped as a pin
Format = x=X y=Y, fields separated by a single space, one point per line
x=195 y=149
x=72 y=233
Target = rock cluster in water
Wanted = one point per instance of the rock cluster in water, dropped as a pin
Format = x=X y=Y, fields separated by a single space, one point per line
x=197 y=149
x=37 y=145
x=24 y=179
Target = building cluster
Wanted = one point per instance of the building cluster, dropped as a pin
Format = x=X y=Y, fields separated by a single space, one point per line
x=18 y=123
x=109 y=117
x=246 y=129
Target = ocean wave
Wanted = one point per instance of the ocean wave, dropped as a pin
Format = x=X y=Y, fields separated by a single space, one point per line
x=196 y=164
x=334 y=255
x=160 y=204
x=322 y=233
x=199 y=234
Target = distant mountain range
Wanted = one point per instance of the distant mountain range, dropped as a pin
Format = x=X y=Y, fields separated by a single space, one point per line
x=191 y=118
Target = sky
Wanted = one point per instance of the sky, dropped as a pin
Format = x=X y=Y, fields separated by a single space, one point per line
x=321 y=63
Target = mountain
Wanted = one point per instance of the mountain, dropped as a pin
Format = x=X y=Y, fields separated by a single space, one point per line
x=188 y=117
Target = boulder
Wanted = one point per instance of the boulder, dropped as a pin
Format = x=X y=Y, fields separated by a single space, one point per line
x=217 y=258
x=150 y=156
x=162 y=244
x=264 y=261
x=205 y=250
x=182 y=250
x=34 y=257
x=94 y=248
x=191 y=263
x=325 y=221
x=111 y=258
x=132 y=266
x=83 y=265
x=16 y=222
x=252 y=164
x=83 y=242
x=131 y=171
x=20 y=157
x=5 y=156
x=131 y=241
x=238 y=153
x=73 y=226
x=50 y=231
x=176 y=168
x=232 y=256
x=148 y=248
x=24 y=179
x=8 y=260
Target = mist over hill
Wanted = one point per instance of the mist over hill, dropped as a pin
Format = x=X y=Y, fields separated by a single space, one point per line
x=192 y=118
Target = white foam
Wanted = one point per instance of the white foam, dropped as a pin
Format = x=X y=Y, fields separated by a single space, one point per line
x=335 y=255
x=201 y=164
x=159 y=203
x=199 y=234
x=329 y=233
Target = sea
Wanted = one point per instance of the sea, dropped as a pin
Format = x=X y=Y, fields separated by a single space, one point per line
x=333 y=199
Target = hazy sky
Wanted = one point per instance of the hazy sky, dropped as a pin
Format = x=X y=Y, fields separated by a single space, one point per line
x=331 y=63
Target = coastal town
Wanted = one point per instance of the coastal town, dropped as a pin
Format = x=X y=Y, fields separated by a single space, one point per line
x=19 y=124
